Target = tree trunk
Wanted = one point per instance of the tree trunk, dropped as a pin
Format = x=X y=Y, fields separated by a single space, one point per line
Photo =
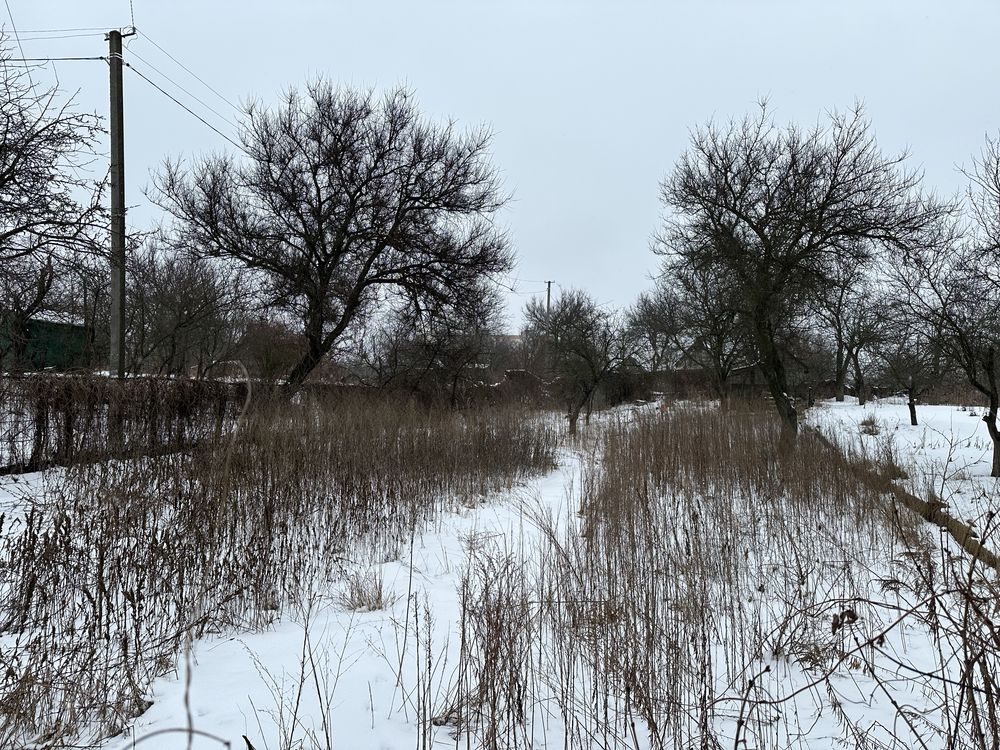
x=859 y=383
x=318 y=344
x=991 y=426
x=575 y=408
x=912 y=402
x=314 y=354
x=772 y=369
x=840 y=374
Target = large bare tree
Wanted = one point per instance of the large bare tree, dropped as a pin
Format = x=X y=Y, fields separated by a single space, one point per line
x=950 y=287
x=775 y=210
x=340 y=200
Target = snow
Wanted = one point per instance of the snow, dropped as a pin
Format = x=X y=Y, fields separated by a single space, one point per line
x=948 y=454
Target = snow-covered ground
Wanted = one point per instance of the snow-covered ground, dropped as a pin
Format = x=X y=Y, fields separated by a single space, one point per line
x=361 y=679
x=947 y=455
x=341 y=676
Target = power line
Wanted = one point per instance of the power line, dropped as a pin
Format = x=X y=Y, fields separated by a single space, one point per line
x=60 y=31
x=18 y=38
x=189 y=71
x=32 y=38
x=172 y=81
x=49 y=59
x=510 y=285
x=183 y=106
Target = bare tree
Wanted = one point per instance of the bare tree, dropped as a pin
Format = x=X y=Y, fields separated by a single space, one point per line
x=443 y=351
x=836 y=309
x=852 y=311
x=654 y=321
x=983 y=200
x=186 y=314
x=49 y=209
x=706 y=329
x=909 y=355
x=587 y=344
x=340 y=200
x=951 y=285
x=774 y=211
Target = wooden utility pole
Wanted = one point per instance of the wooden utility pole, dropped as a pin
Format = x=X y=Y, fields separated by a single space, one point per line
x=548 y=297
x=117 y=359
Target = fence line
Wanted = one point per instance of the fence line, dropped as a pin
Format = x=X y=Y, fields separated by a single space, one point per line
x=50 y=421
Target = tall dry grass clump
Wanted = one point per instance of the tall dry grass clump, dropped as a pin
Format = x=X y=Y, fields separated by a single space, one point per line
x=114 y=564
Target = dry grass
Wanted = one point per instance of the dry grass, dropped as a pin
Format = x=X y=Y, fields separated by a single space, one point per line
x=365 y=591
x=717 y=590
x=116 y=563
x=870 y=425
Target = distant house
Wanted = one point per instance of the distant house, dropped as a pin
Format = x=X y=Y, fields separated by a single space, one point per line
x=48 y=344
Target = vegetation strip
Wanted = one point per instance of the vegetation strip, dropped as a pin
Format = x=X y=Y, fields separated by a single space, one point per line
x=930 y=511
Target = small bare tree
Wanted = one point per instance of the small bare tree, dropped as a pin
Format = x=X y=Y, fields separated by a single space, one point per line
x=443 y=351
x=654 y=321
x=586 y=344
x=909 y=355
x=186 y=314
x=844 y=313
x=340 y=200
x=705 y=328
x=853 y=312
x=775 y=211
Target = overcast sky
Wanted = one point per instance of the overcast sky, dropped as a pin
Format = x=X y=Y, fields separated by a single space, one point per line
x=590 y=102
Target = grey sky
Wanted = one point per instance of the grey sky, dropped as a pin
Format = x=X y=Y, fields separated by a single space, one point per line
x=590 y=102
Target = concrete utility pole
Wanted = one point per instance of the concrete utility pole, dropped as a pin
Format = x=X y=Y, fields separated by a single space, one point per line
x=548 y=297
x=117 y=359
